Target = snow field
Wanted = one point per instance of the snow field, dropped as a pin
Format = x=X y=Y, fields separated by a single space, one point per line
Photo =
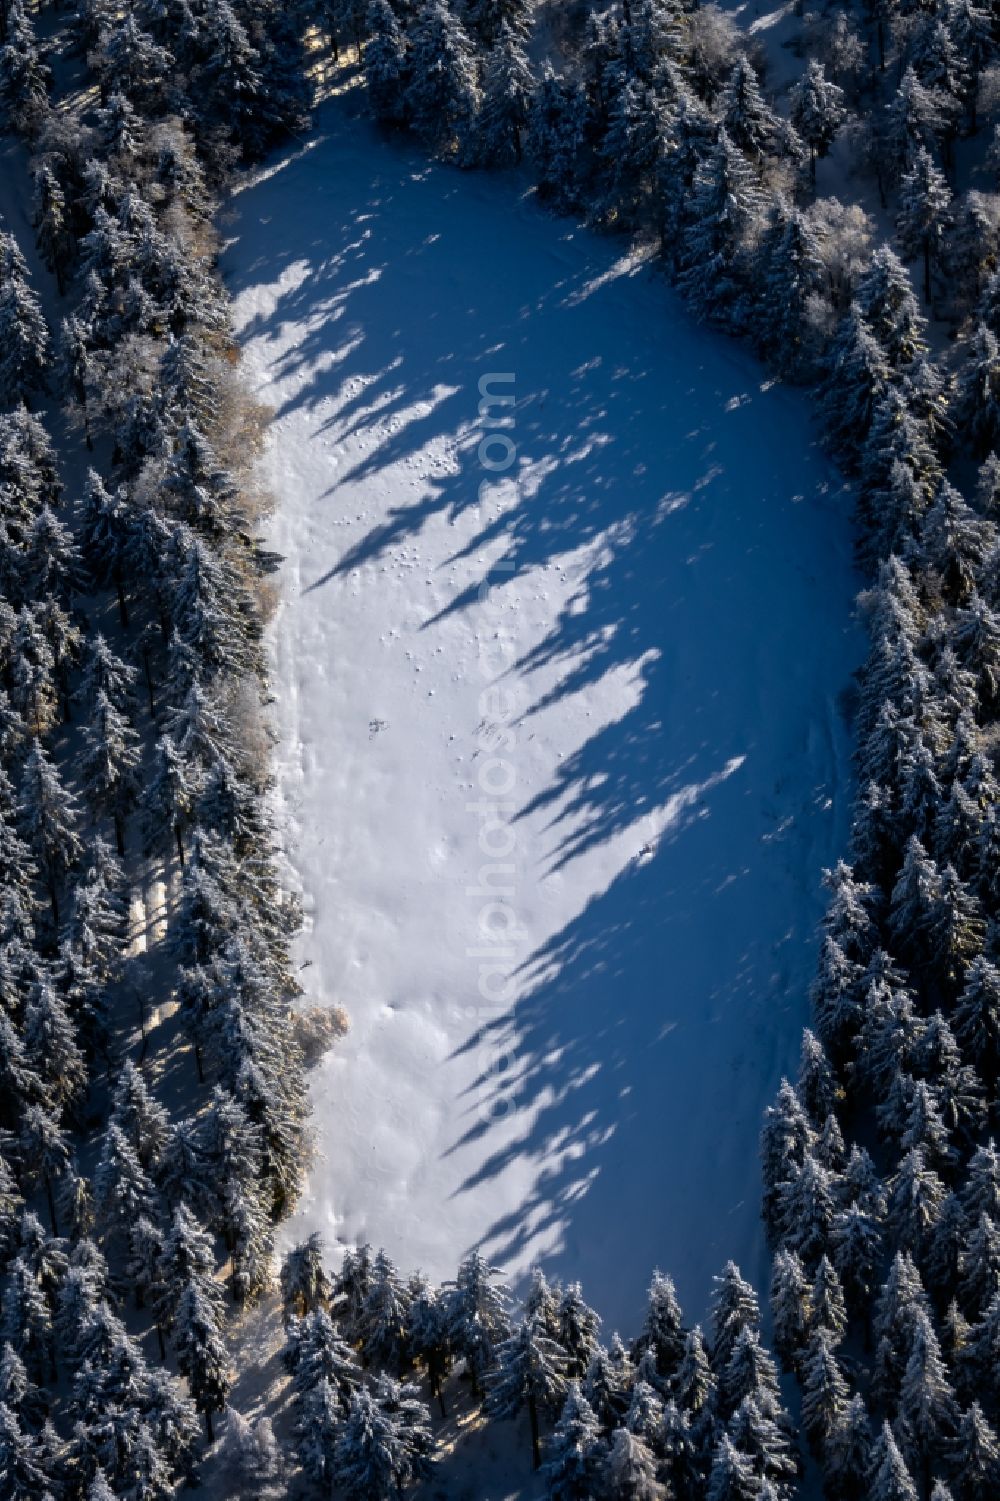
x=602 y=646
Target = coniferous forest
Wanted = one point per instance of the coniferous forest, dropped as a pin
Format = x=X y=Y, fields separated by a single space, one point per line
x=153 y=1095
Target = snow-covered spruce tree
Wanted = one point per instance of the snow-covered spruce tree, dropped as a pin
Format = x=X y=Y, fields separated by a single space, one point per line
x=305 y=1284
x=817 y=112
x=253 y=1457
x=916 y=116
x=890 y=1479
x=529 y=1373
x=25 y=79
x=922 y=220
x=578 y=1330
x=315 y=1353
x=629 y=1471
x=977 y=407
x=885 y=300
x=749 y=122
x=24 y=334
x=202 y=1355
x=52 y=228
x=478 y=1307
x=28 y=1462
x=629 y=152
x=443 y=94
x=727 y=207
x=48 y=817
x=386 y=64
x=385 y=1318
x=51 y=1048
x=427 y=1335
x=576 y=1450
x=507 y=93
x=556 y=133
x=790 y=290
x=110 y=765
x=379 y=1451
x=169 y=801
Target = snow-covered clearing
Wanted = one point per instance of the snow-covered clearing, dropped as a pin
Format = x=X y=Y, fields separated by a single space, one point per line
x=645 y=638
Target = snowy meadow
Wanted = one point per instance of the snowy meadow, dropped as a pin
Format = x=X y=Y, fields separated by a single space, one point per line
x=560 y=665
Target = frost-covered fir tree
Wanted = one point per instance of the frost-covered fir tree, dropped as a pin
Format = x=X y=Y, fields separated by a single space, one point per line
x=386 y=64
x=726 y=205
x=922 y=219
x=629 y=1472
x=786 y=1137
x=529 y=1373
x=403 y=1405
x=52 y=1049
x=253 y=1457
x=375 y=1457
x=886 y=301
x=856 y=1243
x=977 y=1017
x=733 y=1476
x=427 y=1335
x=928 y=1413
x=478 y=1316
x=110 y=764
x=789 y=294
x=24 y=335
x=316 y=1351
x=443 y=94
x=169 y=801
x=825 y=1392
x=608 y=1383
x=27 y=1462
x=629 y=151
x=576 y=1450
x=806 y=1207
x=140 y=1117
x=202 y=1355
x=25 y=79
x=847 y=1453
x=789 y=1306
x=976 y=1457
x=978 y=395
x=890 y=1479
x=507 y=93
x=817 y=111
x=48 y=817
x=556 y=133
x=53 y=233
x=384 y=1318
x=734 y=1309
x=917 y=116
x=827 y=1310
x=749 y=122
